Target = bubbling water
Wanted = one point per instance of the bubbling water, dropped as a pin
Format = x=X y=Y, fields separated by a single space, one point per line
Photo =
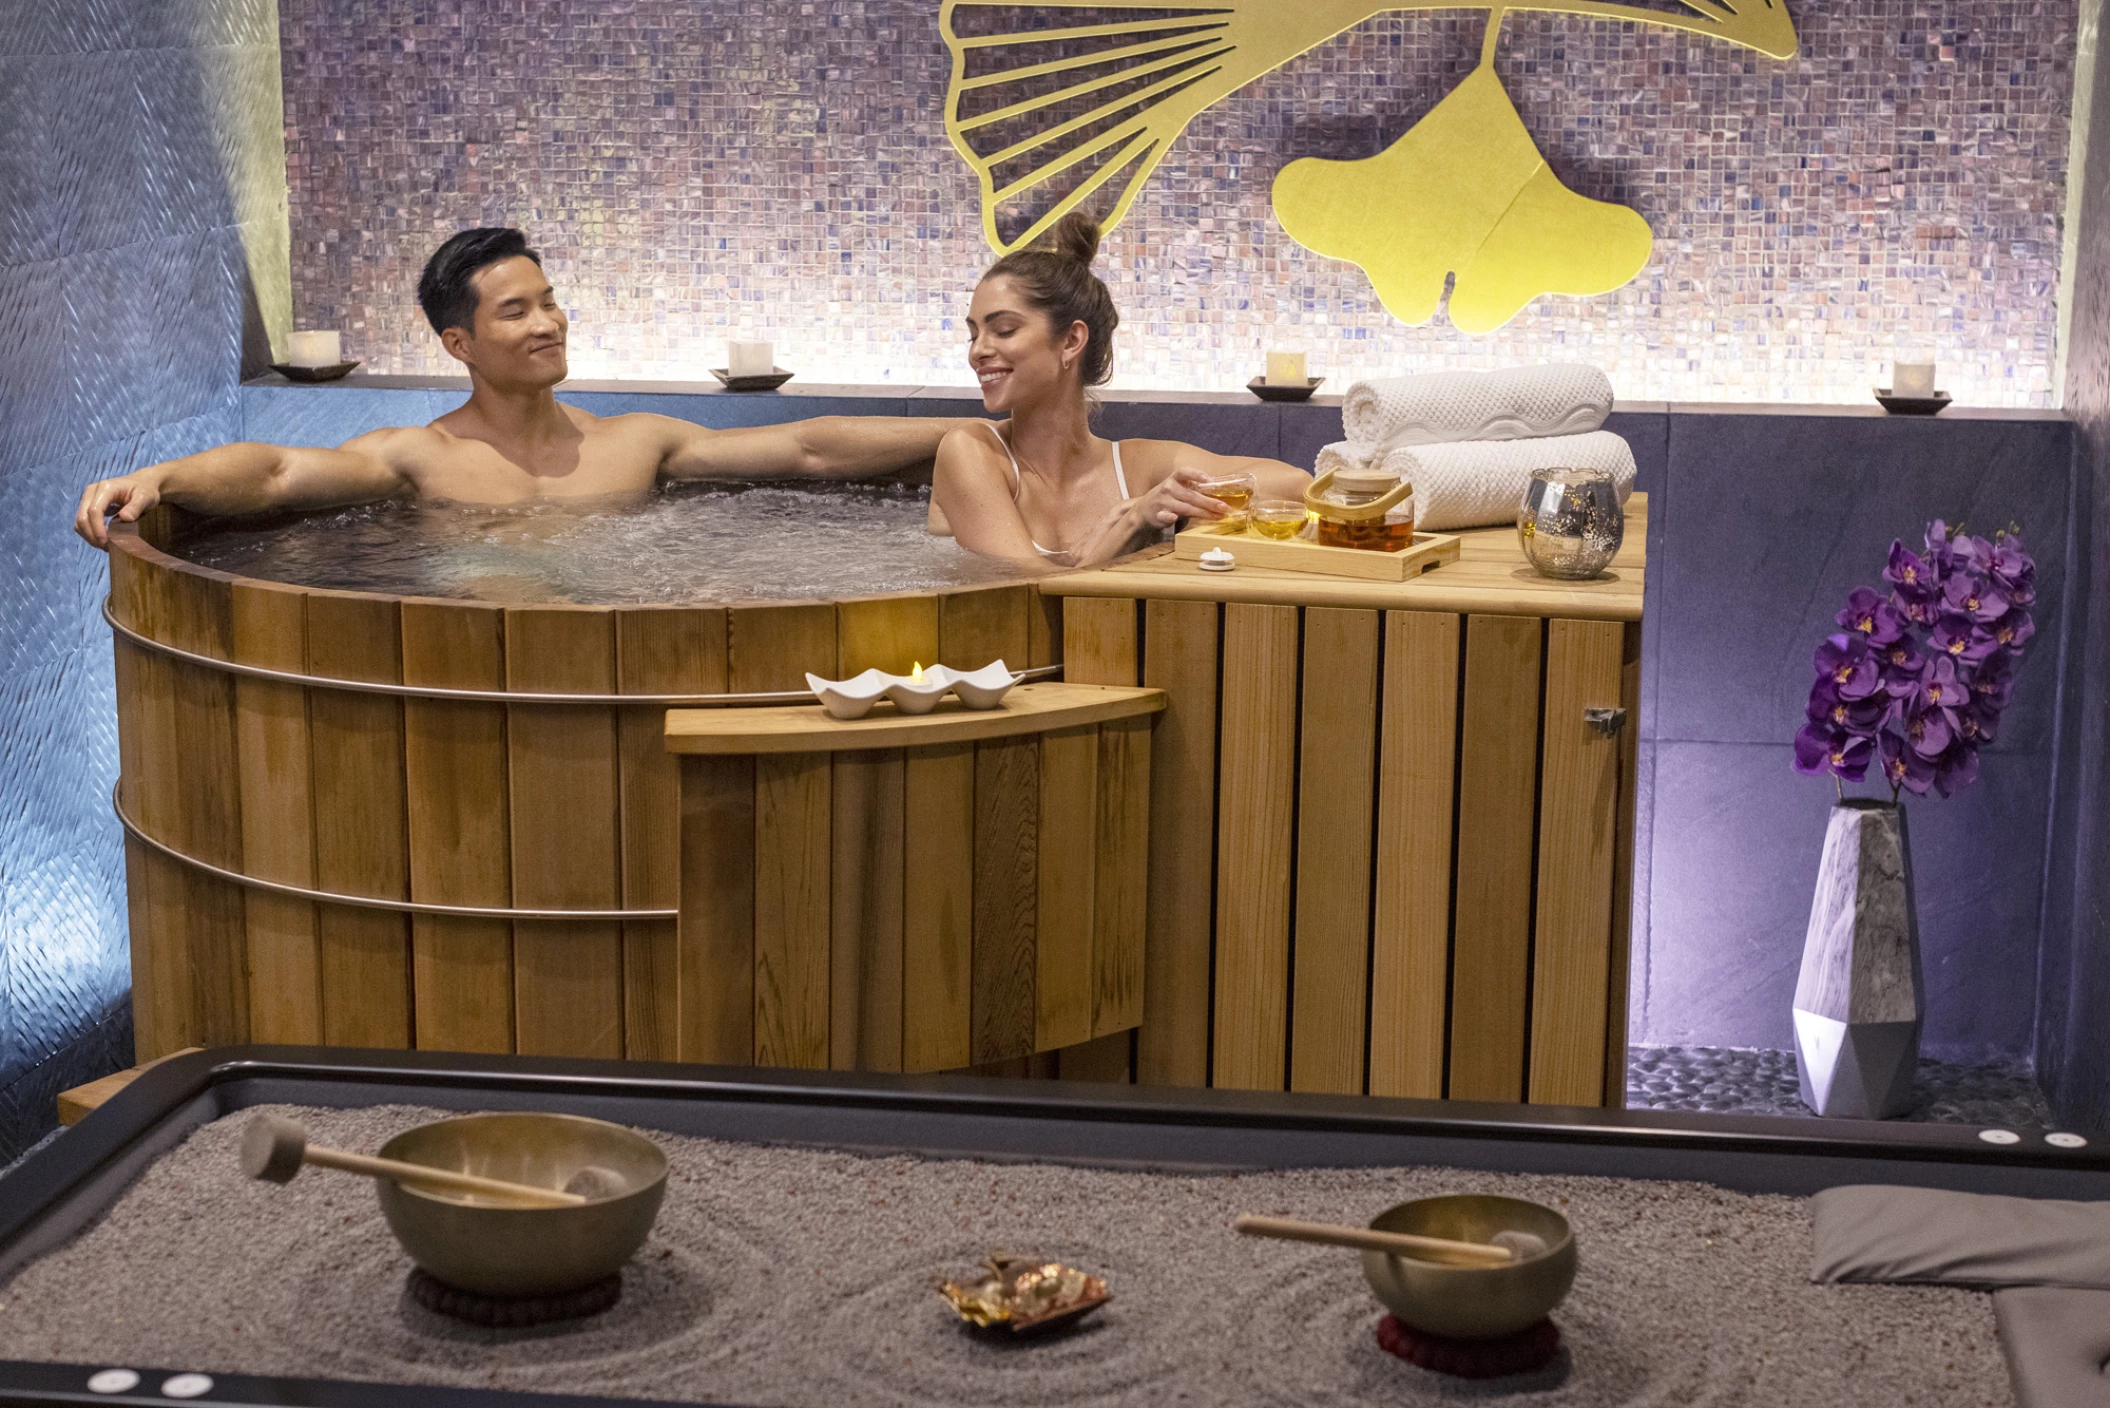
x=681 y=543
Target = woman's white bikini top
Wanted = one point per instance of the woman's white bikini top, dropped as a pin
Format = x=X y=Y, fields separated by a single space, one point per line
x=1018 y=486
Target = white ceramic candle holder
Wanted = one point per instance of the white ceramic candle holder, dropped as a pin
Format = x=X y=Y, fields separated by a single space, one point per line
x=913 y=694
x=851 y=698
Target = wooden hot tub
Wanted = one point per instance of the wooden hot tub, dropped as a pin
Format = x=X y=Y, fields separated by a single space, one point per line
x=446 y=830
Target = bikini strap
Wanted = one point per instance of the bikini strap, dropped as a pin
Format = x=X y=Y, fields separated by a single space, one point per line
x=1120 y=478
x=1018 y=484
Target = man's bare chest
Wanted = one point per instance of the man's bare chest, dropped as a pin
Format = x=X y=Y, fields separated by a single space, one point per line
x=474 y=472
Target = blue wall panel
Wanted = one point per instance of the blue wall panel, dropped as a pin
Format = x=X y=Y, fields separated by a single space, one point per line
x=141 y=173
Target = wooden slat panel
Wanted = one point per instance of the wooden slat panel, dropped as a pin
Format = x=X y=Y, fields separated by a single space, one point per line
x=1180 y=658
x=140 y=711
x=771 y=648
x=1099 y=641
x=659 y=650
x=1006 y=904
x=1064 y=967
x=278 y=840
x=1617 y=996
x=1337 y=766
x=210 y=804
x=1044 y=629
x=937 y=908
x=1410 y=961
x=792 y=894
x=891 y=633
x=567 y=975
x=864 y=1023
x=189 y=797
x=454 y=757
x=361 y=839
x=1121 y=870
x=1497 y=804
x=1255 y=802
x=979 y=624
x=1578 y=816
x=717 y=926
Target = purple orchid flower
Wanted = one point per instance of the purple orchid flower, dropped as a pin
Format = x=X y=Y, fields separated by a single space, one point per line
x=1957 y=770
x=1915 y=683
x=1973 y=595
x=1904 y=767
x=1850 y=665
x=2011 y=566
x=2012 y=631
x=1913 y=581
x=1873 y=616
x=1941 y=687
x=1961 y=638
x=1819 y=749
x=1993 y=682
x=1928 y=732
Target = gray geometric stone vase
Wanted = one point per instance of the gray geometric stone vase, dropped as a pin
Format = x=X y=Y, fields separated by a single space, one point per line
x=1860 y=998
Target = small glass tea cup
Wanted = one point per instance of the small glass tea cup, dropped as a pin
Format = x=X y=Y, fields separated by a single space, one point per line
x=1277 y=518
x=1234 y=492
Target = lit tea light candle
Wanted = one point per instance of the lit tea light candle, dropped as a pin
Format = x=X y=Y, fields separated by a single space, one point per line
x=750 y=359
x=1287 y=369
x=315 y=349
x=1912 y=379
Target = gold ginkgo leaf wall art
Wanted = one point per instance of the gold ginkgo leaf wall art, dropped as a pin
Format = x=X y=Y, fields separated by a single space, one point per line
x=1061 y=103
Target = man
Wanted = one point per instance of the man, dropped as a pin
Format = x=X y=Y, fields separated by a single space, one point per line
x=485 y=295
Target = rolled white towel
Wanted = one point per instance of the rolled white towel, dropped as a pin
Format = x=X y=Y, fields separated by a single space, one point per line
x=1479 y=483
x=1514 y=404
x=1341 y=455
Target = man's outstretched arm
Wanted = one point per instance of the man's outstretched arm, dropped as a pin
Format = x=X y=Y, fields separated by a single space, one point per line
x=247 y=478
x=831 y=447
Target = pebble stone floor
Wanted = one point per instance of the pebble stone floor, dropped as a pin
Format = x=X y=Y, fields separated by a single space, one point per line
x=1725 y=1080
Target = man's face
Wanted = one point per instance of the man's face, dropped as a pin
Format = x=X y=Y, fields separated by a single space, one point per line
x=520 y=331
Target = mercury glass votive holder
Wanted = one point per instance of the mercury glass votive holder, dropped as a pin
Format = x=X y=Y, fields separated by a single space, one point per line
x=1570 y=524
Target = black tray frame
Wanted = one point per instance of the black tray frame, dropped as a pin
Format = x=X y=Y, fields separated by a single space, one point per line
x=65 y=1185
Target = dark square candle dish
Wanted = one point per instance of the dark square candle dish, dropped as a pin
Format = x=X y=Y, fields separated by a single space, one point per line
x=1259 y=387
x=1013 y=1129
x=776 y=378
x=313 y=374
x=1912 y=405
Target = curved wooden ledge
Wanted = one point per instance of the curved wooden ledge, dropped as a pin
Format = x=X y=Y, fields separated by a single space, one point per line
x=1030 y=708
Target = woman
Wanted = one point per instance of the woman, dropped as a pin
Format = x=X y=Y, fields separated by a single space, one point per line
x=1041 y=489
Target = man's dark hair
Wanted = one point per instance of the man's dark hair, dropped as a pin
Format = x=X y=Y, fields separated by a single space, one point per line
x=447 y=288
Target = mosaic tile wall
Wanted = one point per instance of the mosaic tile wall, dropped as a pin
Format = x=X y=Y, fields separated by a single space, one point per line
x=746 y=168
x=142 y=214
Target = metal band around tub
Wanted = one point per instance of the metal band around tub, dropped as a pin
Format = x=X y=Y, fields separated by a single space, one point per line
x=479 y=696
x=302 y=892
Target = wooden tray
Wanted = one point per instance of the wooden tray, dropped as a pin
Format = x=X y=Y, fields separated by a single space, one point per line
x=1429 y=550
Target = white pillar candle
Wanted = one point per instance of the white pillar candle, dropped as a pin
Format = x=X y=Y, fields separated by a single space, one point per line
x=749 y=359
x=314 y=349
x=1287 y=369
x=1912 y=379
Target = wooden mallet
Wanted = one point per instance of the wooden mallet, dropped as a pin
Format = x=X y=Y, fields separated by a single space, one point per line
x=274 y=1148
x=1507 y=1248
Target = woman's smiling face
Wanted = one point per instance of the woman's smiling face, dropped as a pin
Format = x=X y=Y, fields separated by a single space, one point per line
x=1013 y=347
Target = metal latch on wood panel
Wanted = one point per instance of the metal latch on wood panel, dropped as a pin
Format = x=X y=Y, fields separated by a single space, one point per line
x=1607 y=722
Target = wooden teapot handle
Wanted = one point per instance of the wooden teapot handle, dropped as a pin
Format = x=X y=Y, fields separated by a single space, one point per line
x=1376 y=508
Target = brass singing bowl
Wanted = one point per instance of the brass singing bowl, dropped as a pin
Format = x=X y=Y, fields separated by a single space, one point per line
x=1473 y=1302
x=483 y=1244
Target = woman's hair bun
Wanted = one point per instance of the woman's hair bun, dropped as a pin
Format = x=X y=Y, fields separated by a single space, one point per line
x=1075 y=236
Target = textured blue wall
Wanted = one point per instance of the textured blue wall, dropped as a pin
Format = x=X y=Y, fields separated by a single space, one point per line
x=142 y=213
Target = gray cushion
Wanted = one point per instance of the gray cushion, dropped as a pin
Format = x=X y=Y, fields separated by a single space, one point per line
x=2056 y=1341
x=1874 y=1233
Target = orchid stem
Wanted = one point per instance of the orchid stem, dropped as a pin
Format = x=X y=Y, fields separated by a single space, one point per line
x=1839 y=787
